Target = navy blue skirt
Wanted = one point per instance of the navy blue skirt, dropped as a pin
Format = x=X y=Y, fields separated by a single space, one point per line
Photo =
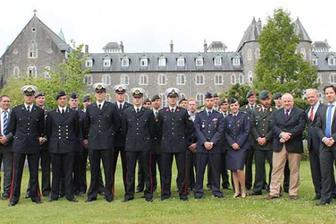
x=235 y=159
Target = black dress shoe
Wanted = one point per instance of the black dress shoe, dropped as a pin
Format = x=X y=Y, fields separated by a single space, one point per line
x=126 y=199
x=109 y=199
x=183 y=197
x=37 y=200
x=149 y=199
x=317 y=197
x=91 y=199
x=164 y=198
x=255 y=193
x=12 y=203
x=72 y=200
x=139 y=190
x=218 y=195
x=322 y=203
x=198 y=196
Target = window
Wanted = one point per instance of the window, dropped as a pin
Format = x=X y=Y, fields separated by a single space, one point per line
x=163 y=99
x=33 y=29
x=257 y=53
x=199 y=79
x=162 y=61
x=218 y=61
x=32 y=71
x=107 y=62
x=106 y=79
x=125 y=62
x=46 y=72
x=249 y=54
x=88 y=80
x=241 y=79
x=143 y=79
x=144 y=62
x=180 y=79
x=331 y=60
x=303 y=53
x=333 y=78
x=32 y=50
x=236 y=61
x=200 y=99
x=199 y=61
x=89 y=63
x=16 y=72
x=126 y=97
x=180 y=61
x=250 y=76
x=108 y=97
x=219 y=79
x=315 y=61
x=233 y=79
x=124 y=79
x=162 y=79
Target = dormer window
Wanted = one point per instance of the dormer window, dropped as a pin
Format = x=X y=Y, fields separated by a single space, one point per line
x=180 y=61
x=107 y=62
x=331 y=60
x=89 y=63
x=162 y=61
x=315 y=61
x=125 y=62
x=199 y=61
x=218 y=61
x=236 y=61
x=144 y=62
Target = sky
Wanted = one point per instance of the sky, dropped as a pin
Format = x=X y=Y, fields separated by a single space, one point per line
x=150 y=25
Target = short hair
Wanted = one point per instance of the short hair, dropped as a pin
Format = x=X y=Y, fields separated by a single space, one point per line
x=2 y=96
x=329 y=86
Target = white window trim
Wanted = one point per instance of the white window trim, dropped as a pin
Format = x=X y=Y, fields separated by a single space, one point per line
x=197 y=100
x=34 y=69
x=107 y=62
x=222 y=78
x=220 y=61
x=233 y=79
x=46 y=72
x=199 y=61
x=123 y=60
x=179 y=79
x=203 y=78
x=332 y=78
x=124 y=77
x=141 y=79
x=236 y=61
x=89 y=63
x=164 y=76
x=162 y=61
x=145 y=64
x=88 y=77
x=16 y=72
x=106 y=79
x=180 y=62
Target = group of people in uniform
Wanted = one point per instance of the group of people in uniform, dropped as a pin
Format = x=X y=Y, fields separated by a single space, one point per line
x=222 y=136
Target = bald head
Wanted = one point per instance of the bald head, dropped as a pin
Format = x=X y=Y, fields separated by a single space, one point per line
x=288 y=101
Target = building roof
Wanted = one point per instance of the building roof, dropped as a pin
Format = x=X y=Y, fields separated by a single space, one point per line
x=301 y=31
x=171 y=62
x=251 y=34
x=322 y=61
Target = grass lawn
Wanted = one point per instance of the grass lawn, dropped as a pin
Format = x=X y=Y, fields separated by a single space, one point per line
x=208 y=210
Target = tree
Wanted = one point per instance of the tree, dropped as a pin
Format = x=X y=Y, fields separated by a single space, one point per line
x=280 y=68
x=239 y=92
x=68 y=76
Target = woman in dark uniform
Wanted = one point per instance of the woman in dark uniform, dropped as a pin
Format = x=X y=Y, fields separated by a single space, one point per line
x=237 y=129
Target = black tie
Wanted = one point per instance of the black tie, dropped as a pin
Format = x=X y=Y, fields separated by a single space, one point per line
x=137 y=110
x=99 y=106
x=156 y=114
x=172 y=110
x=209 y=113
x=63 y=111
x=28 y=108
x=120 y=106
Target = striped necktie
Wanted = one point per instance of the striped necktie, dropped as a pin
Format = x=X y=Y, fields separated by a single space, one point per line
x=5 y=122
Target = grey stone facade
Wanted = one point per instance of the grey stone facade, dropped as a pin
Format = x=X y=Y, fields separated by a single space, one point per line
x=194 y=73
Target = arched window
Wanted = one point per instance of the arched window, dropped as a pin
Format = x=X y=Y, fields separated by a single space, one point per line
x=199 y=79
x=143 y=79
x=200 y=99
x=32 y=71
x=106 y=79
x=124 y=79
x=32 y=50
x=162 y=79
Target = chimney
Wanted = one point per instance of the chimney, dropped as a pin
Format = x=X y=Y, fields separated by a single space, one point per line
x=121 y=47
x=86 y=49
x=259 y=25
x=205 y=46
x=171 y=46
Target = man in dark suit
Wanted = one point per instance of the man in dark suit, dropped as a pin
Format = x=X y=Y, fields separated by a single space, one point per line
x=327 y=134
x=209 y=125
x=262 y=134
x=27 y=126
x=249 y=108
x=102 y=122
x=154 y=157
x=63 y=134
x=224 y=110
x=6 y=139
x=139 y=127
x=119 y=145
x=176 y=128
x=192 y=146
x=288 y=125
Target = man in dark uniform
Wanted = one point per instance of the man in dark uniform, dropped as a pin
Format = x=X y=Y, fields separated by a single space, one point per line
x=192 y=146
x=249 y=108
x=261 y=120
x=154 y=157
x=119 y=145
x=209 y=125
x=6 y=140
x=224 y=110
x=78 y=155
x=139 y=127
x=176 y=128
x=63 y=134
x=278 y=105
x=102 y=122
x=27 y=126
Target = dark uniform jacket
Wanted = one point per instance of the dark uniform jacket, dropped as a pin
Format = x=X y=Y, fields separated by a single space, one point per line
x=139 y=129
x=175 y=128
x=313 y=139
x=121 y=133
x=156 y=141
x=237 y=129
x=101 y=125
x=62 y=131
x=261 y=121
x=247 y=109
x=321 y=125
x=27 y=128
x=209 y=129
x=294 y=124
